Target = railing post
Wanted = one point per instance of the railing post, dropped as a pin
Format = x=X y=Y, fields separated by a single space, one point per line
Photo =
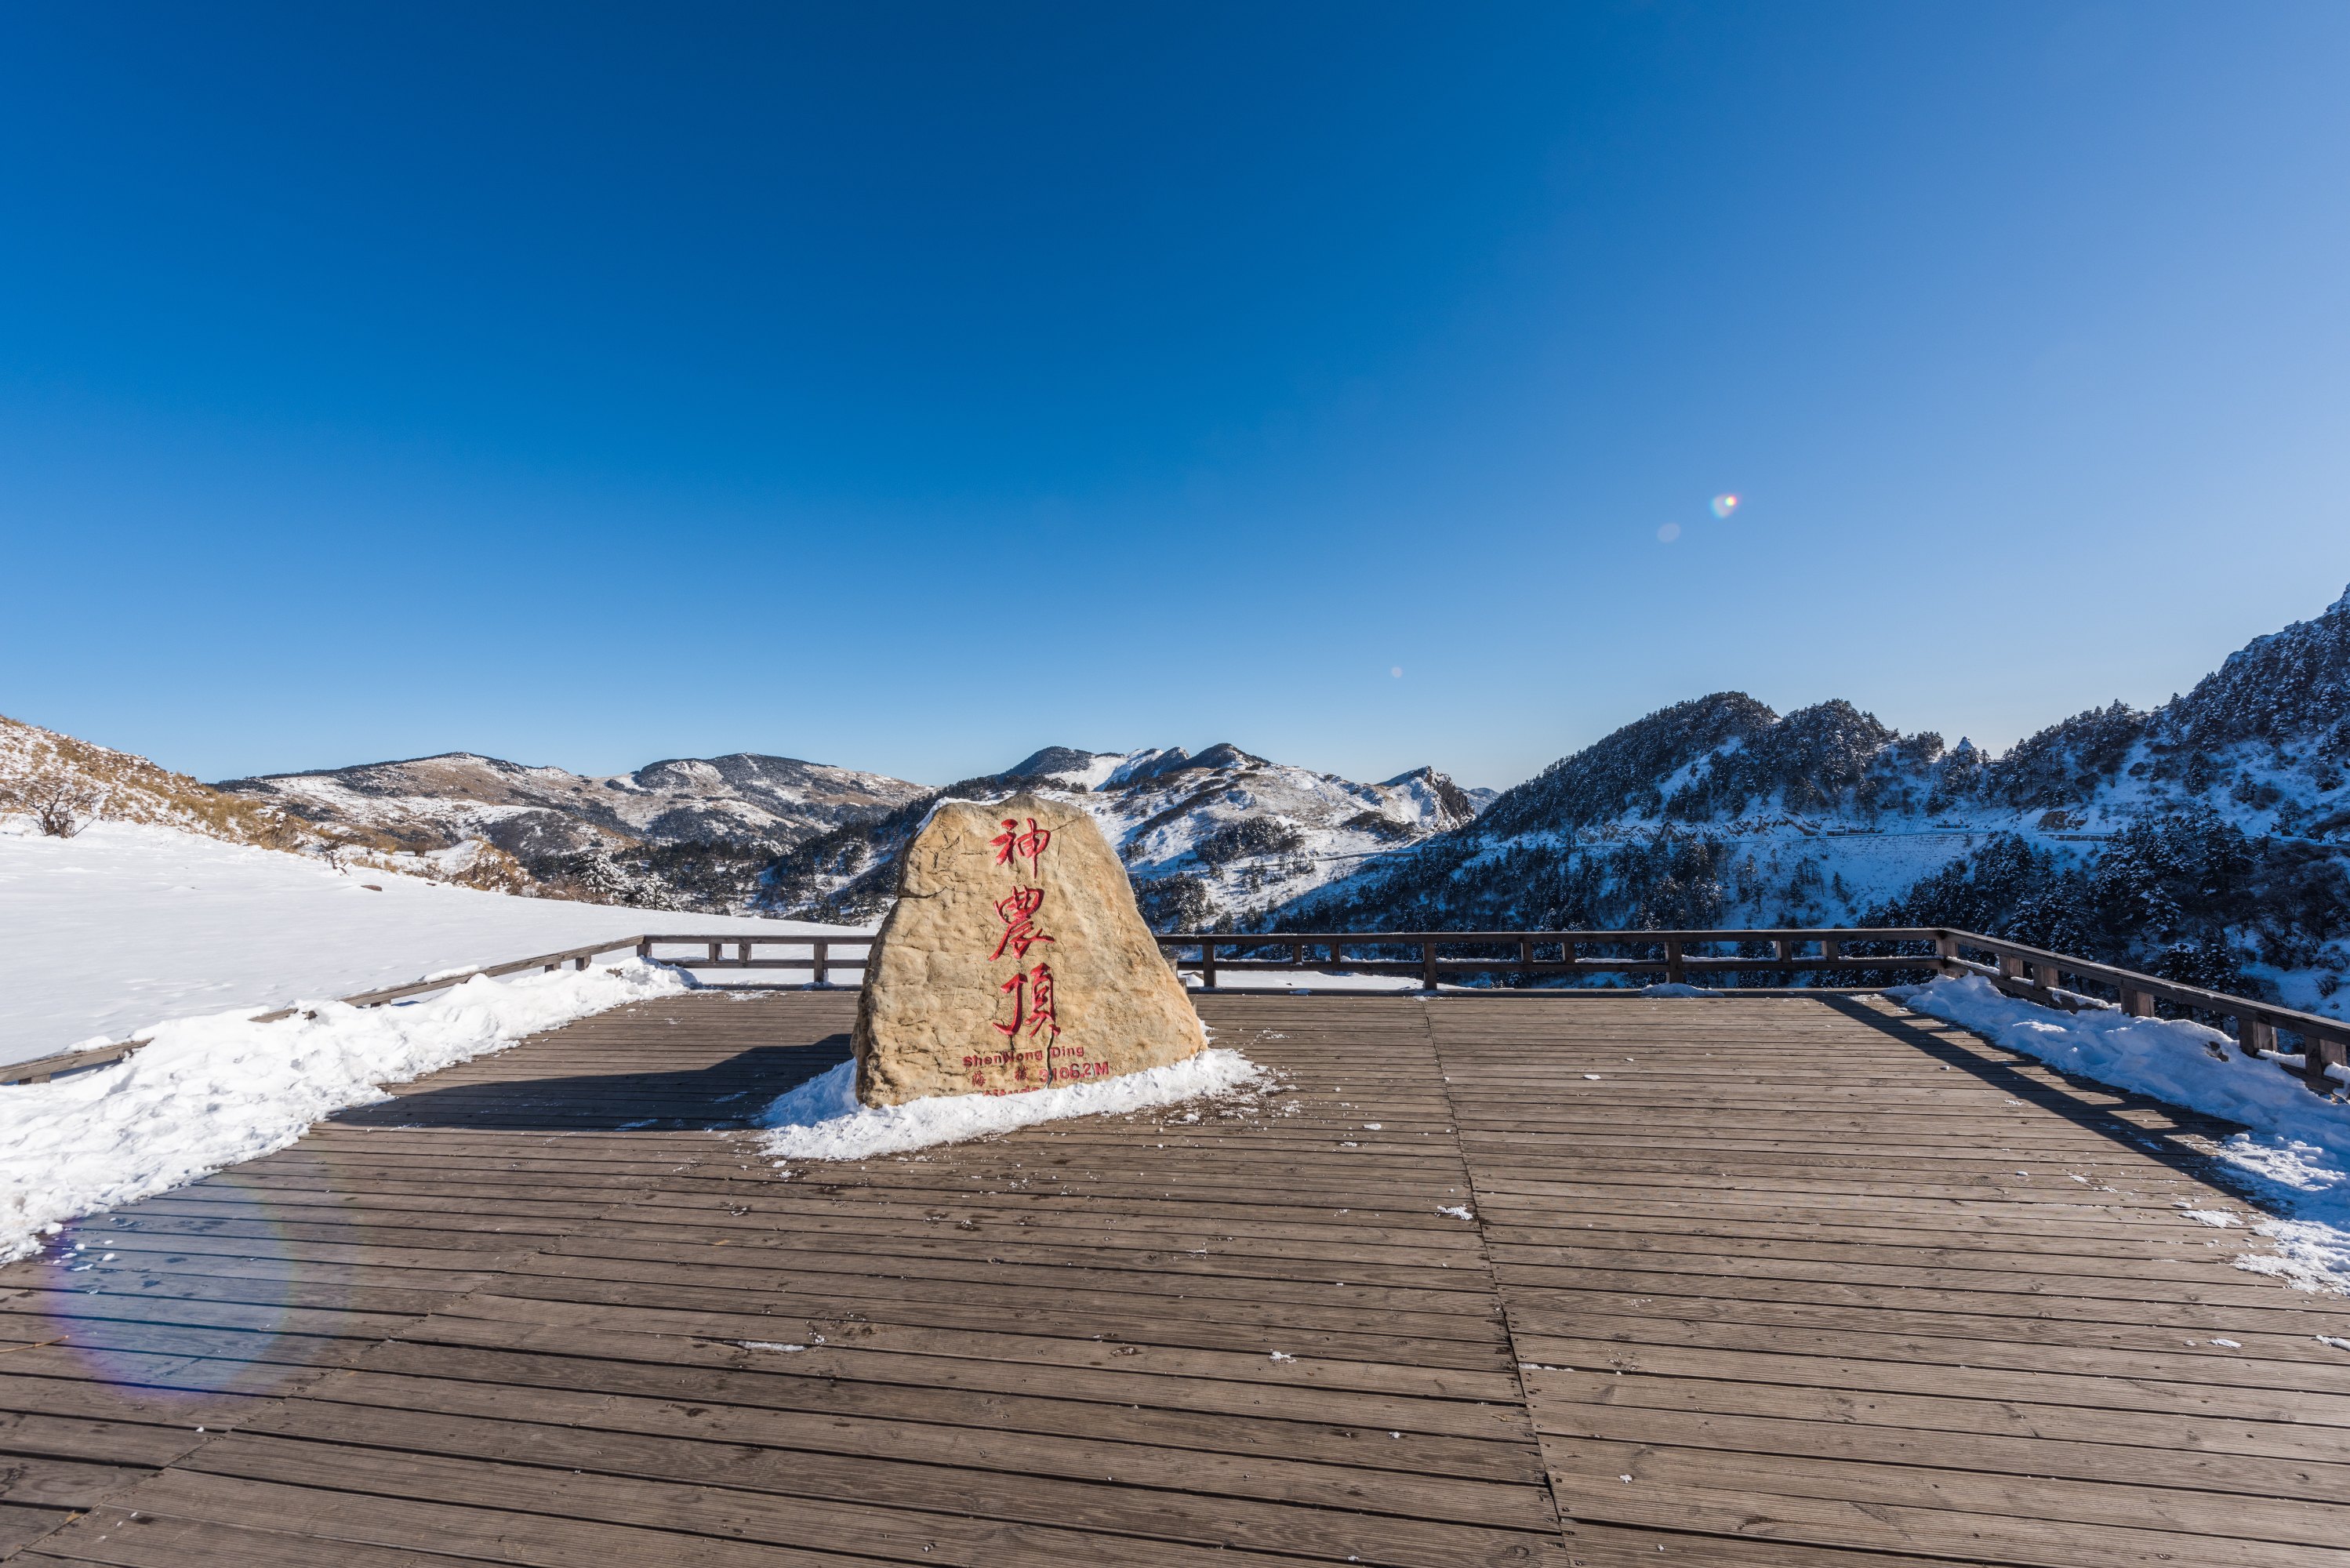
x=1946 y=955
x=2136 y=1003
x=1297 y=955
x=1335 y=960
x=580 y=963
x=2045 y=976
x=2255 y=1035
x=1674 y=972
x=1428 y=964
x=1526 y=951
x=2010 y=967
x=1208 y=962
x=644 y=948
x=714 y=949
x=817 y=964
x=2318 y=1054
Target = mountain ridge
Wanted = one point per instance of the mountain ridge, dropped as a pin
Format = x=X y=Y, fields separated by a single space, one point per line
x=1203 y=835
x=683 y=833
x=2205 y=839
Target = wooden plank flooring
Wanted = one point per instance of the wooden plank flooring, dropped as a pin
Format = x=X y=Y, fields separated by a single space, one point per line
x=1774 y=1281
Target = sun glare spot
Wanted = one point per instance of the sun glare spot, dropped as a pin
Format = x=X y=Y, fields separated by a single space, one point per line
x=1670 y=532
x=1723 y=505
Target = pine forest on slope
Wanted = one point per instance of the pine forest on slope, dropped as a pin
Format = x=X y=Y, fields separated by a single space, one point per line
x=2206 y=841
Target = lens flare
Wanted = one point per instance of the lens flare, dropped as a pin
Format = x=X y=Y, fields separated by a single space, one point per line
x=1397 y=672
x=1723 y=505
x=1669 y=532
x=150 y=1313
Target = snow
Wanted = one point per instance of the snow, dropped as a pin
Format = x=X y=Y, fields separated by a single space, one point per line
x=210 y=1092
x=127 y=925
x=1305 y=982
x=821 y=1119
x=2294 y=1163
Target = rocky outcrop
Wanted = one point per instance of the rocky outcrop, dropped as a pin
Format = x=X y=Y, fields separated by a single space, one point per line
x=1014 y=960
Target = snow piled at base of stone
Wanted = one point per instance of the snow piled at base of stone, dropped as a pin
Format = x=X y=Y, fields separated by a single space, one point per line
x=2294 y=1163
x=207 y=1092
x=822 y=1120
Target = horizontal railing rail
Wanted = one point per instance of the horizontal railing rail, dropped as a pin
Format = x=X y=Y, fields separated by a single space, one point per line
x=2036 y=975
x=2029 y=973
x=820 y=961
x=1672 y=957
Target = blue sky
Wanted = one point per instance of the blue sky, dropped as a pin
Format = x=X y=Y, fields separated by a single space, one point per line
x=912 y=387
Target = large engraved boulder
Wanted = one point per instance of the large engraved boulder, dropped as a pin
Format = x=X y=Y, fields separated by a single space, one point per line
x=1014 y=959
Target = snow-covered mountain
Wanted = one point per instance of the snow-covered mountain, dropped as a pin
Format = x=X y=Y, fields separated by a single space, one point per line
x=58 y=786
x=67 y=783
x=1212 y=836
x=1215 y=836
x=2207 y=840
x=689 y=832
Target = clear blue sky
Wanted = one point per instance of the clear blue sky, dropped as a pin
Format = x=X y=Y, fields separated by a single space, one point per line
x=911 y=387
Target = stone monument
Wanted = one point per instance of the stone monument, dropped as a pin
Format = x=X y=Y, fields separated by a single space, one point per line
x=1014 y=959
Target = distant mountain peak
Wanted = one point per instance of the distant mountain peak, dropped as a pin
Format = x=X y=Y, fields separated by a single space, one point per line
x=1050 y=761
x=683 y=832
x=1212 y=836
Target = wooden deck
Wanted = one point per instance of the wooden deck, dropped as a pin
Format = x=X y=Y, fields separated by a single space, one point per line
x=1768 y=1282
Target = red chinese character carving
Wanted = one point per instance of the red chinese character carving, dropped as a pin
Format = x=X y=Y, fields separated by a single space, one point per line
x=1018 y=913
x=1042 y=1014
x=1012 y=841
x=1032 y=1007
x=1017 y=986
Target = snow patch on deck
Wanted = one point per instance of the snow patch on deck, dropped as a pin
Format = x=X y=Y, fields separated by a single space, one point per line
x=2295 y=1162
x=208 y=1093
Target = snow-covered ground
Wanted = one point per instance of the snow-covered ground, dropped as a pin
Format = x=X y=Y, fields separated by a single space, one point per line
x=2294 y=1163
x=126 y=926
x=207 y=1092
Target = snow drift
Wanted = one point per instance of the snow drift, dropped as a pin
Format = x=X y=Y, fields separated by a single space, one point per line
x=822 y=1120
x=210 y=1092
x=2294 y=1163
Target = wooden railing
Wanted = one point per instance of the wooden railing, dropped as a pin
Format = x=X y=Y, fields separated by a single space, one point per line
x=1672 y=957
x=2054 y=980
